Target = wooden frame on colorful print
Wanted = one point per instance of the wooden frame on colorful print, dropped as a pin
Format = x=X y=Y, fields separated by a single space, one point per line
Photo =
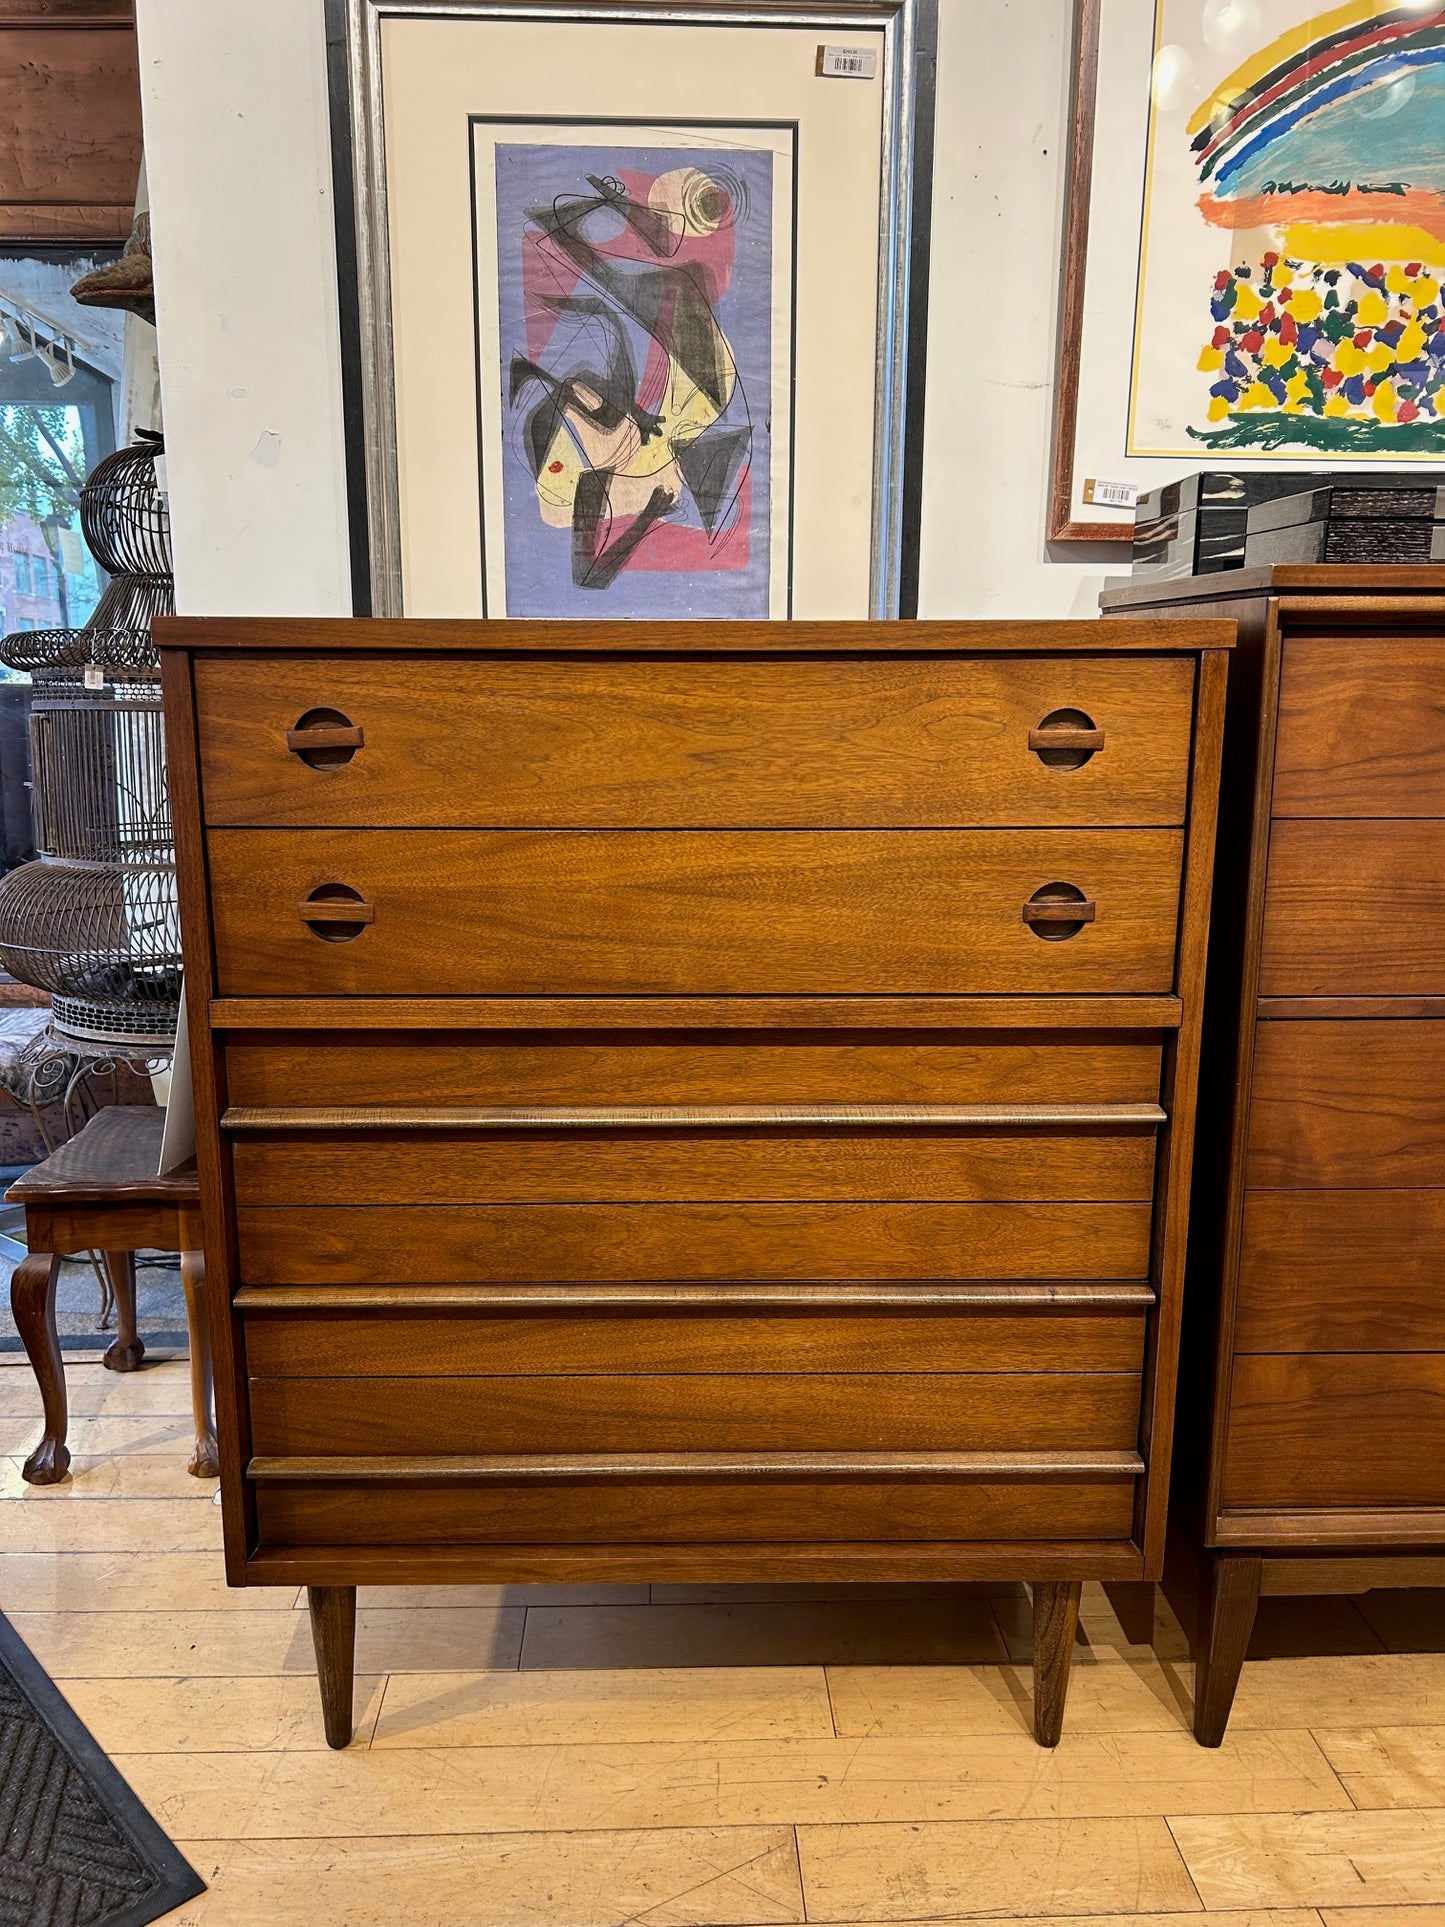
x=692 y=344
x=1262 y=288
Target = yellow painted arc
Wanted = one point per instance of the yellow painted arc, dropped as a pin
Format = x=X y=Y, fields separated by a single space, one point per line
x=1293 y=41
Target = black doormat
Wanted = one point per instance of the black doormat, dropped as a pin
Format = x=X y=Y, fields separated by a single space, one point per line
x=77 y=1849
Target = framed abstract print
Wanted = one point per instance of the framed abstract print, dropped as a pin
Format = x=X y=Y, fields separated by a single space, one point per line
x=633 y=304
x=1256 y=243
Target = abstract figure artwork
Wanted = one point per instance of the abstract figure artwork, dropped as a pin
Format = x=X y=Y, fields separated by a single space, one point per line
x=635 y=298
x=1311 y=146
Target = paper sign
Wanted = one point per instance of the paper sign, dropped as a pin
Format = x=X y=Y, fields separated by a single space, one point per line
x=72 y=552
x=1114 y=495
x=847 y=63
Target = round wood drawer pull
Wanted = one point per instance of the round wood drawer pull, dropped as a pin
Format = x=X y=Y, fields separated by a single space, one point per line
x=1066 y=739
x=336 y=913
x=325 y=739
x=1057 y=911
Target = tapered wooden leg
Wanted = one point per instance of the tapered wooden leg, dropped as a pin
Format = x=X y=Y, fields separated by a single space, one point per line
x=1056 y=1620
x=32 y=1305
x=128 y=1350
x=333 y=1633
x=1226 y=1619
x=205 y=1461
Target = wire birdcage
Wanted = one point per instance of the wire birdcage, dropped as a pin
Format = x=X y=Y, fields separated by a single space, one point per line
x=94 y=920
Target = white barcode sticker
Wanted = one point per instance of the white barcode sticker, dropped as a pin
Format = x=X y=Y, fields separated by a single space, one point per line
x=94 y=676
x=1113 y=495
x=847 y=63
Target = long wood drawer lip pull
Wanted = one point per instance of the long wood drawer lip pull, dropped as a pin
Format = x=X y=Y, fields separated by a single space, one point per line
x=335 y=910
x=1066 y=739
x=605 y=1467
x=655 y=1297
x=678 y=1117
x=326 y=736
x=1059 y=910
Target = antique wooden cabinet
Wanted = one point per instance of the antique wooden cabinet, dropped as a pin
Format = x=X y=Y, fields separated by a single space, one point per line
x=1312 y=1432
x=707 y=1102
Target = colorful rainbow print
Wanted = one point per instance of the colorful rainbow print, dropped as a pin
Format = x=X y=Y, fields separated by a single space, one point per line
x=1327 y=148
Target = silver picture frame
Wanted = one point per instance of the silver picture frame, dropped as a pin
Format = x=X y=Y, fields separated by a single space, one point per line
x=909 y=28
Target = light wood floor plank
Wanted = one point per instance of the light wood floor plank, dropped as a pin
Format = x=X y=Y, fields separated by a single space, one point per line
x=729 y=1783
x=1315 y=1859
x=148 y=1475
x=1024 y=1868
x=1389 y=1766
x=724 y=1877
x=198 y=1715
x=541 y=1709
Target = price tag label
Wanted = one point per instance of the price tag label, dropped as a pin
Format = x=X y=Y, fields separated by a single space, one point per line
x=94 y=676
x=847 y=63
x=1111 y=495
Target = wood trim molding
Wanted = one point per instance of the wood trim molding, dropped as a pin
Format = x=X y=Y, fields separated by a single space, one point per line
x=1316 y=1526
x=684 y=1013
x=1084 y=70
x=606 y=1467
x=418 y=1301
x=241 y=1118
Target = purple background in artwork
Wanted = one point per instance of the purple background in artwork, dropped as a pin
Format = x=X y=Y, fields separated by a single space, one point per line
x=539 y=558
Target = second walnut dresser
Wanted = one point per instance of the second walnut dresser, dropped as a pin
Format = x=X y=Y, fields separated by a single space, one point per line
x=705 y=1103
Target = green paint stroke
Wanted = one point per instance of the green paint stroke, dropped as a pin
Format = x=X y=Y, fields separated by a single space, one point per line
x=1333 y=434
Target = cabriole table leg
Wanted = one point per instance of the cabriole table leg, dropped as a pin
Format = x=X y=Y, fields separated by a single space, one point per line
x=32 y=1305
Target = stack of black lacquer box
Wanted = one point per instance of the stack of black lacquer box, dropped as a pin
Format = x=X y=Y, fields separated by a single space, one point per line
x=1214 y=521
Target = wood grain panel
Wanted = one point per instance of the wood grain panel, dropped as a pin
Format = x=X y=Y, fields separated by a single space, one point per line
x=696 y=1412
x=1347 y=1105
x=1337 y=1430
x=1341 y=1271
x=70 y=132
x=601 y=1167
x=693 y=1067
x=467 y=912
x=402 y=1345
x=1359 y=726
x=695 y=743
x=748 y=1512
x=1354 y=909
x=441 y=1244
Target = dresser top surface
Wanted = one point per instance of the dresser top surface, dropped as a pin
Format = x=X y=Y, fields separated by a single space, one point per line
x=1315 y=579
x=335 y=635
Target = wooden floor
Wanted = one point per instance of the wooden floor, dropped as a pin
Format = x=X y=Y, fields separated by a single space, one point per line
x=549 y=1756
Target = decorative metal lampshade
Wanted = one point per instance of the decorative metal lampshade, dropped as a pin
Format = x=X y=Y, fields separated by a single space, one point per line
x=93 y=920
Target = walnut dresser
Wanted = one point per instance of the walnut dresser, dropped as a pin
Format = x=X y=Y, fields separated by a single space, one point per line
x=708 y=1103
x=1312 y=1431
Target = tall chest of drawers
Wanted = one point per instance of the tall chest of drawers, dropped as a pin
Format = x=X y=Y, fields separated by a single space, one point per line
x=1312 y=1435
x=696 y=1103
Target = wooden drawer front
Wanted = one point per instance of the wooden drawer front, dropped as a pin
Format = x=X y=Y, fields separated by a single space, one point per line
x=398 y=1345
x=1346 y=1105
x=686 y=1512
x=271 y=1070
x=667 y=743
x=522 y=1243
x=1341 y=1271
x=601 y=1167
x=721 y=1412
x=1337 y=1430
x=469 y=912
x=1359 y=727
x=1355 y=909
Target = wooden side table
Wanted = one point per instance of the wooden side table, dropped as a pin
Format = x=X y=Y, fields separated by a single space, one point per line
x=100 y=1192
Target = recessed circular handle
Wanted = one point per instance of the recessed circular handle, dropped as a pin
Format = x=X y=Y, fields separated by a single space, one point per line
x=1057 y=911
x=1066 y=739
x=335 y=912
x=324 y=738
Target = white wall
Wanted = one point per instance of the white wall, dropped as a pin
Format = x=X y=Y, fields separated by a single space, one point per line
x=237 y=157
